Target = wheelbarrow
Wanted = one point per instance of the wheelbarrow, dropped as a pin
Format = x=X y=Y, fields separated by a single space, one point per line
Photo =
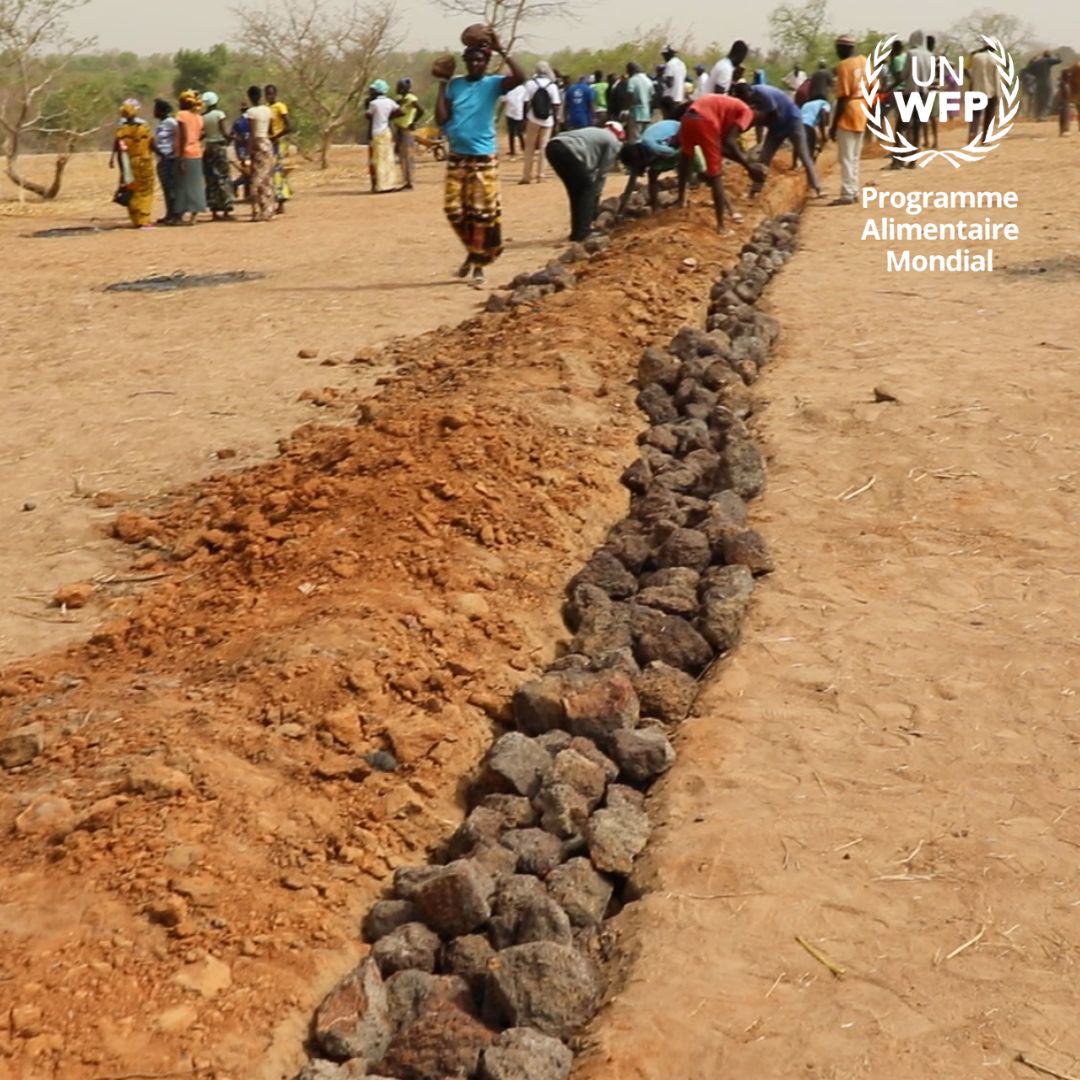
x=430 y=138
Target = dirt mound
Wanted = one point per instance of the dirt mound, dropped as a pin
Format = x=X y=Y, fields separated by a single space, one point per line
x=201 y=820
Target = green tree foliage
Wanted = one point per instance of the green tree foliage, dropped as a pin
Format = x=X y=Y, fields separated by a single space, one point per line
x=802 y=31
x=199 y=70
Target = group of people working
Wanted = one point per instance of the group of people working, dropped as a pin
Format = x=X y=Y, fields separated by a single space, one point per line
x=646 y=126
x=191 y=153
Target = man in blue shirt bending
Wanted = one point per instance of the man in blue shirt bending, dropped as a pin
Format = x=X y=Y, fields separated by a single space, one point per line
x=465 y=110
x=783 y=122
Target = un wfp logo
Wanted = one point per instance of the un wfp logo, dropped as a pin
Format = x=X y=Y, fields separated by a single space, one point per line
x=926 y=97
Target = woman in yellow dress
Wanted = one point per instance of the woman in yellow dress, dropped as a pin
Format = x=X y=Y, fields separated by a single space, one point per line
x=133 y=148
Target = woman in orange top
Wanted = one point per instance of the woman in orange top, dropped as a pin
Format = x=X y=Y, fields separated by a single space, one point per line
x=190 y=183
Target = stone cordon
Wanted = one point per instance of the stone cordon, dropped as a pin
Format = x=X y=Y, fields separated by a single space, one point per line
x=487 y=963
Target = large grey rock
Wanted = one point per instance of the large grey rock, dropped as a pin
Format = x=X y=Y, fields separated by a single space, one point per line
x=444 y=1041
x=515 y=765
x=671 y=599
x=670 y=640
x=657 y=366
x=523 y=911
x=542 y=985
x=386 y=915
x=524 y=1054
x=642 y=755
x=581 y=891
x=600 y=704
x=631 y=543
x=582 y=772
x=748 y=548
x=665 y=692
x=467 y=957
x=606 y=571
x=456 y=901
x=410 y=946
x=537 y=851
x=657 y=404
x=685 y=547
x=563 y=810
x=410 y=993
x=721 y=620
x=539 y=705
x=408 y=879
x=742 y=468
x=616 y=835
x=353 y=1020
x=726 y=583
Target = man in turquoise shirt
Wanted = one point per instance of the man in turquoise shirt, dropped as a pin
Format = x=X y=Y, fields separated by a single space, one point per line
x=641 y=95
x=465 y=110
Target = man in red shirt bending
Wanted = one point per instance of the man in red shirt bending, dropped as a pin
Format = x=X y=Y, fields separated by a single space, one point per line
x=714 y=123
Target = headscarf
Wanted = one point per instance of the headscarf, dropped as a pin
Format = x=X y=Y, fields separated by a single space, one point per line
x=616 y=129
x=381 y=86
x=189 y=97
x=210 y=99
x=543 y=70
x=129 y=109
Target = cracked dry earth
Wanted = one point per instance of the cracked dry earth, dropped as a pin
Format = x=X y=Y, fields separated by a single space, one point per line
x=241 y=754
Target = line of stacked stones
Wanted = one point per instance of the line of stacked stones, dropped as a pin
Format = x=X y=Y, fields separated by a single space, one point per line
x=485 y=963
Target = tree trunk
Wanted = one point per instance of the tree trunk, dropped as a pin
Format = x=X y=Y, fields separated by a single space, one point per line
x=326 y=137
x=43 y=191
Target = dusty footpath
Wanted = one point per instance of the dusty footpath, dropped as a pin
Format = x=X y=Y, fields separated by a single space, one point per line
x=887 y=768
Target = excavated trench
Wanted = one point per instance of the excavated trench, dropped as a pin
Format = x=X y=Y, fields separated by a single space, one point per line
x=247 y=752
x=488 y=961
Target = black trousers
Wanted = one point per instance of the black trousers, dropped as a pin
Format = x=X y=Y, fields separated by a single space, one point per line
x=579 y=185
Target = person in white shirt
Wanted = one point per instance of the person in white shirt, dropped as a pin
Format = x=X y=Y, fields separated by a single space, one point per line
x=723 y=72
x=514 y=107
x=382 y=108
x=263 y=203
x=795 y=78
x=674 y=88
x=703 y=82
x=540 y=118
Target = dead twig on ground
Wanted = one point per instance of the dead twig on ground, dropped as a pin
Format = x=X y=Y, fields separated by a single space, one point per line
x=40 y=618
x=918 y=474
x=1044 y=1069
x=143 y=393
x=967 y=944
x=837 y=971
x=852 y=493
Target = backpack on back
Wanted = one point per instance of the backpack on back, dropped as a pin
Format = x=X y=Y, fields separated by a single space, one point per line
x=540 y=102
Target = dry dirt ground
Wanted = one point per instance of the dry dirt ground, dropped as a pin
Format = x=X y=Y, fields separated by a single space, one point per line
x=187 y=861
x=133 y=394
x=882 y=769
x=887 y=767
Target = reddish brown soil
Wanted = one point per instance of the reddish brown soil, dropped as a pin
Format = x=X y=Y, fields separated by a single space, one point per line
x=379 y=586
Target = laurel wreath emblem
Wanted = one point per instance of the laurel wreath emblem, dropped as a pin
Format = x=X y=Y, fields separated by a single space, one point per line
x=897 y=144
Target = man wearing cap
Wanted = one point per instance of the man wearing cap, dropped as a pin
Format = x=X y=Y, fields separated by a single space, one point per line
x=714 y=124
x=783 y=122
x=674 y=81
x=582 y=159
x=849 y=119
x=465 y=110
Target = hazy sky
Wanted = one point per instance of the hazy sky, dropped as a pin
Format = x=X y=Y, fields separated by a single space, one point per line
x=126 y=24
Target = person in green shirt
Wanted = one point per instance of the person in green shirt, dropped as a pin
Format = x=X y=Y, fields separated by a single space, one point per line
x=404 y=126
x=600 y=89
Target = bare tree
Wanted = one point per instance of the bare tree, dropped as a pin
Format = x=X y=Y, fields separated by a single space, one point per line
x=965 y=34
x=801 y=31
x=35 y=50
x=324 y=58
x=508 y=17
